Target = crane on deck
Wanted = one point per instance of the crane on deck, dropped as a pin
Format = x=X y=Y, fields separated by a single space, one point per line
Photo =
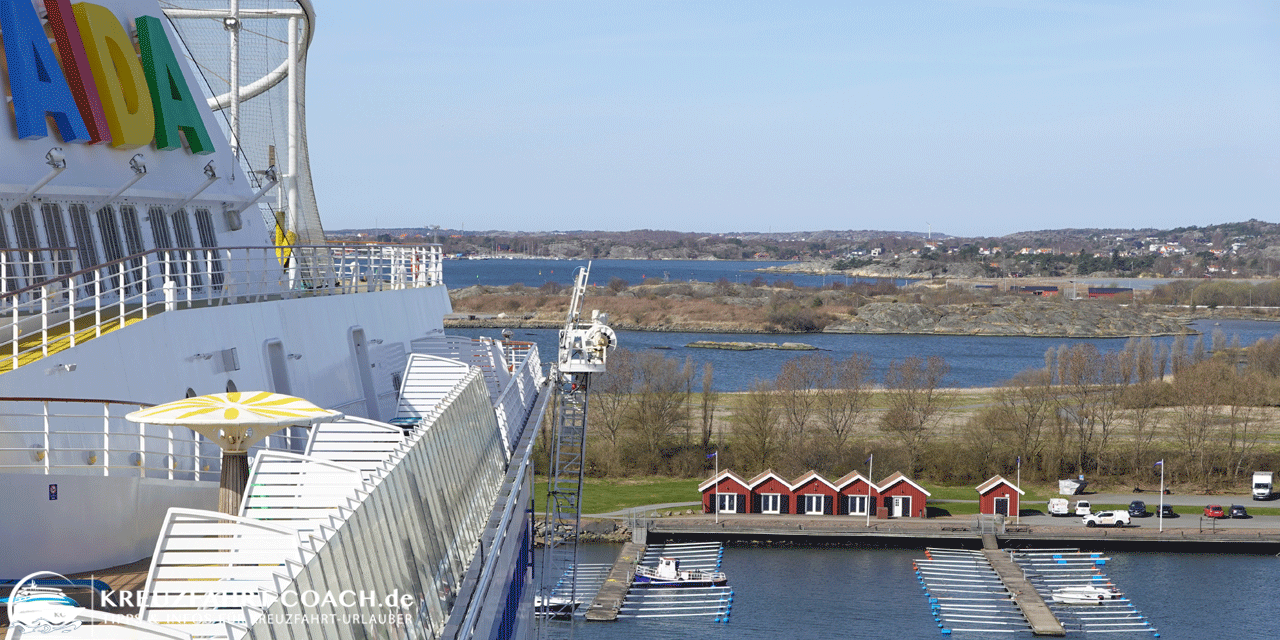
x=583 y=348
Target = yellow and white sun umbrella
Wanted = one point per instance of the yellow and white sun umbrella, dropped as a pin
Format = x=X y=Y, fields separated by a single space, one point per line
x=235 y=421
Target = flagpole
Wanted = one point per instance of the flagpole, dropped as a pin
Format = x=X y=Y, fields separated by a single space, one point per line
x=1017 y=518
x=871 y=462
x=1161 y=463
x=717 y=476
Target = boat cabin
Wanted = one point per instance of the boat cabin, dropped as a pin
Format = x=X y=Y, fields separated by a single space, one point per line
x=998 y=496
x=770 y=493
x=814 y=494
x=725 y=493
x=855 y=495
x=901 y=498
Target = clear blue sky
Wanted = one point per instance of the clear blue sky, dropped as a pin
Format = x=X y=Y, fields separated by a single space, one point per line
x=982 y=118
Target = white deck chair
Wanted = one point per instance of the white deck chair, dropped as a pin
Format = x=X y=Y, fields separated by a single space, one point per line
x=297 y=491
x=355 y=442
x=208 y=565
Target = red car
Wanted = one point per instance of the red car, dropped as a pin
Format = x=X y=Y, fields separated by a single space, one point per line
x=1214 y=511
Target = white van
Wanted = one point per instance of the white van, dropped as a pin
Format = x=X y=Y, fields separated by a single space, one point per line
x=1059 y=507
x=1083 y=508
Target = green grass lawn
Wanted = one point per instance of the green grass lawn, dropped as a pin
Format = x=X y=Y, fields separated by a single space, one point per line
x=605 y=495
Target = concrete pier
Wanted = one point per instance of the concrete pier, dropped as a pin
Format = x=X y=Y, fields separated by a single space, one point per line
x=614 y=590
x=1042 y=620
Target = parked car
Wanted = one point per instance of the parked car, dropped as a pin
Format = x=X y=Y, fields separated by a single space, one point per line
x=1083 y=508
x=1107 y=518
x=1238 y=511
x=1166 y=511
x=1059 y=507
x=1138 y=509
x=1214 y=511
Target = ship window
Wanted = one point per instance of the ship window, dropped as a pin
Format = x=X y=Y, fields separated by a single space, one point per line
x=56 y=231
x=111 y=244
x=85 y=246
x=182 y=233
x=163 y=240
x=10 y=283
x=24 y=231
x=132 y=240
x=231 y=386
x=209 y=240
x=191 y=393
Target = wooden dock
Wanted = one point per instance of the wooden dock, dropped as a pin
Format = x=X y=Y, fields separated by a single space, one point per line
x=1037 y=613
x=614 y=590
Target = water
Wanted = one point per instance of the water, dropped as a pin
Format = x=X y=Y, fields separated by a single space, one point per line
x=872 y=594
x=976 y=361
x=535 y=272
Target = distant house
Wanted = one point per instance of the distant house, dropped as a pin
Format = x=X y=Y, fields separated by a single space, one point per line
x=769 y=493
x=1110 y=292
x=998 y=496
x=855 y=495
x=726 y=492
x=901 y=498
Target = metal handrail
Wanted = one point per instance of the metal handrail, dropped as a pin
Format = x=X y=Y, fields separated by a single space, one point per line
x=85 y=303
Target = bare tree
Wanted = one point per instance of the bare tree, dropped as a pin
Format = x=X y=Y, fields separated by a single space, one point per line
x=756 y=428
x=611 y=395
x=1019 y=419
x=844 y=396
x=795 y=384
x=913 y=389
x=658 y=401
x=1194 y=421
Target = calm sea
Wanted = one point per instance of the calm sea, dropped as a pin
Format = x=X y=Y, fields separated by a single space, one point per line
x=872 y=594
x=535 y=272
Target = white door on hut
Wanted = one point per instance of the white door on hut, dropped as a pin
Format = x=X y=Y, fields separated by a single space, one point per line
x=901 y=506
x=857 y=505
x=1002 y=506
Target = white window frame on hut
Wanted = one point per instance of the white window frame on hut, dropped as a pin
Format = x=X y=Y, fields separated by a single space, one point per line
x=771 y=503
x=857 y=505
x=728 y=502
x=810 y=499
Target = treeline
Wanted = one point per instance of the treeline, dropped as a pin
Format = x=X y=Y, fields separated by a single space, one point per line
x=1203 y=405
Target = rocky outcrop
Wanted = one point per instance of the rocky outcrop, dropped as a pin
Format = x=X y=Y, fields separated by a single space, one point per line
x=1066 y=319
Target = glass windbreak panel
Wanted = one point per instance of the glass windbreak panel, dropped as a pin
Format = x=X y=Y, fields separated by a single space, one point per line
x=24 y=232
x=10 y=280
x=111 y=244
x=209 y=240
x=86 y=248
x=55 y=229
x=132 y=243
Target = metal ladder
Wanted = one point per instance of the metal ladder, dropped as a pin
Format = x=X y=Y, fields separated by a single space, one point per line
x=564 y=488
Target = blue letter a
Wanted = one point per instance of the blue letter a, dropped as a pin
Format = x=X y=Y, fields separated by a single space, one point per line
x=35 y=79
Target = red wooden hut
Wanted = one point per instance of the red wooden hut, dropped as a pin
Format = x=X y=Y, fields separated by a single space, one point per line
x=855 y=494
x=998 y=495
x=901 y=498
x=770 y=493
x=729 y=489
x=814 y=495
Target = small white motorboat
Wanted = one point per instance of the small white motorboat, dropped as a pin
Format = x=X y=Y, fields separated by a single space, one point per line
x=669 y=574
x=1085 y=595
x=554 y=607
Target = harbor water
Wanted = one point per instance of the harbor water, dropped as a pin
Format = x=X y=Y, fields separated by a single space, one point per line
x=851 y=593
x=976 y=361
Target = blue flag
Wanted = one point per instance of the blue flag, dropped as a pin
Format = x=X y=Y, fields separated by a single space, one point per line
x=1160 y=464
x=713 y=454
x=869 y=458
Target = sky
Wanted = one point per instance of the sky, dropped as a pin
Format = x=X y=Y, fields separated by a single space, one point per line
x=968 y=118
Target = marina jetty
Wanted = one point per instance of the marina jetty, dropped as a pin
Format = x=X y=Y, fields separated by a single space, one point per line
x=1184 y=535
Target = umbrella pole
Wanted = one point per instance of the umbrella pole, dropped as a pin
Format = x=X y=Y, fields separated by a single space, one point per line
x=235 y=476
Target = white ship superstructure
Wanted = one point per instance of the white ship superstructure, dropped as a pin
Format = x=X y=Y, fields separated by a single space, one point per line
x=146 y=255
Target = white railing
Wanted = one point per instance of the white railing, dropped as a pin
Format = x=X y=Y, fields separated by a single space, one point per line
x=60 y=311
x=57 y=436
